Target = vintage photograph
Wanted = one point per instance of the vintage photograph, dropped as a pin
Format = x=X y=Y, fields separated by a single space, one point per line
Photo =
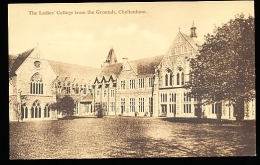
x=131 y=80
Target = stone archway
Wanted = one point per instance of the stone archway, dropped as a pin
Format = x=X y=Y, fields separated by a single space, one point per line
x=47 y=110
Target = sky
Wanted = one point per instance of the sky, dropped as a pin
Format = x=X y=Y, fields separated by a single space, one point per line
x=85 y=39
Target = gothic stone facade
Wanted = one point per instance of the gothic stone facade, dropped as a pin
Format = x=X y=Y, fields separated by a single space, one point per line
x=147 y=87
x=155 y=86
x=35 y=83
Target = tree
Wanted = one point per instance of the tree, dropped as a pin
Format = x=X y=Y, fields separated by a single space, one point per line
x=225 y=66
x=65 y=105
x=100 y=110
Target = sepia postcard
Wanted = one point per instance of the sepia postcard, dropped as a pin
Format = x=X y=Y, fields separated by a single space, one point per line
x=131 y=80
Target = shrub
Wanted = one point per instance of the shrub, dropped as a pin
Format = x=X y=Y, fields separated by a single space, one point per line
x=100 y=112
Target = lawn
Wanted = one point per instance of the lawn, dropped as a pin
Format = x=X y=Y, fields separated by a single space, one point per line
x=132 y=137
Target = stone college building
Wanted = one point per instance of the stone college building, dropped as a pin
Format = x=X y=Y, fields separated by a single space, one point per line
x=147 y=87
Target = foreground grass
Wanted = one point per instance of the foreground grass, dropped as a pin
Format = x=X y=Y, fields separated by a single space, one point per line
x=118 y=137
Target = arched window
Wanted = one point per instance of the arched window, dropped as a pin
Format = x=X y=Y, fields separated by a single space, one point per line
x=36 y=110
x=36 y=84
x=166 y=79
x=182 y=78
x=24 y=110
x=178 y=79
x=171 y=79
x=47 y=111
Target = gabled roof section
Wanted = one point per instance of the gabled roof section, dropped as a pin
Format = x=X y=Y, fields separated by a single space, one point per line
x=16 y=61
x=73 y=71
x=87 y=98
x=146 y=66
x=194 y=44
x=113 y=70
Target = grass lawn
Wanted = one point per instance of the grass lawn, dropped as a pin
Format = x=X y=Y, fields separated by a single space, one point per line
x=121 y=137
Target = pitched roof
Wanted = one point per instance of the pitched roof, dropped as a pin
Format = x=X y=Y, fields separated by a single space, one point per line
x=194 y=43
x=16 y=61
x=63 y=70
x=113 y=70
x=73 y=71
x=87 y=98
x=144 y=66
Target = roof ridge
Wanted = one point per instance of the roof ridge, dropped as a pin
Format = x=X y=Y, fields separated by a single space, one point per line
x=146 y=58
x=185 y=36
x=71 y=64
x=26 y=51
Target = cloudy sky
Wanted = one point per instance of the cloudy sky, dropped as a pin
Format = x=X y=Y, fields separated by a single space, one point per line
x=85 y=39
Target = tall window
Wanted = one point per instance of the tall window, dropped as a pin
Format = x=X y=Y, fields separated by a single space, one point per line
x=112 y=106
x=132 y=84
x=24 y=111
x=163 y=97
x=112 y=93
x=182 y=78
x=76 y=90
x=216 y=107
x=151 y=81
x=178 y=79
x=150 y=104
x=123 y=84
x=36 y=110
x=67 y=89
x=97 y=92
x=141 y=82
x=36 y=84
x=132 y=104
x=77 y=108
x=187 y=102
x=141 y=104
x=105 y=93
x=166 y=79
x=172 y=102
x=171 y=77
x=59 y=88
x=122 y=105
x=85 y=89
x=47 y=111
